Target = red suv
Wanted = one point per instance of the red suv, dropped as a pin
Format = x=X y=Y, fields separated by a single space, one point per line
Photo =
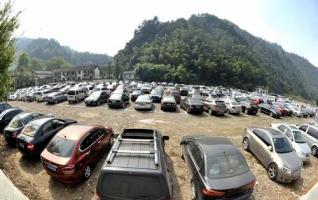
x=74 y=150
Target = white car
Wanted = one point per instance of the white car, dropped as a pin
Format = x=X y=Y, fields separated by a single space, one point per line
x=233 y=107
x=296 y=138
x=143 y=102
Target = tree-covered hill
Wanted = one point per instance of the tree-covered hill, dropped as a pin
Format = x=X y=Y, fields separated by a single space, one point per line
x=208 y=50
x=45 y=52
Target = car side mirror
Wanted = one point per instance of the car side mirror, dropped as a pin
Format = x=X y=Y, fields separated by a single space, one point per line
x=270 y=148
x=165 y=137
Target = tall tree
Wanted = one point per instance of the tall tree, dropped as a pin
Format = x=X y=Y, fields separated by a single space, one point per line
x=8 y=24
x=23 y=62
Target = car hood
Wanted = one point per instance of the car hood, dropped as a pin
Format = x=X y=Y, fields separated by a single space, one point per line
x=290 y=160
x=91 y=99
x=231 y=182
x=302 y=147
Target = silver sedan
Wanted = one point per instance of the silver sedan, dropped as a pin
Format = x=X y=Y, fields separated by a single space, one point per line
x=275 y=152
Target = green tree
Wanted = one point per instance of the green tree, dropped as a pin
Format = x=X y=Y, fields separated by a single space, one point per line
x=8 y=24
x=57 y=63
x=23 y=63
x=36 y=64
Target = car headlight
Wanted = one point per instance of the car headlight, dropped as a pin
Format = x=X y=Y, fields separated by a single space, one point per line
x=286 y=170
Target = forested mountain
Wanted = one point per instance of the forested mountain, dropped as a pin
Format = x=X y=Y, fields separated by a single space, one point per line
x=208 y=50
x=45 y=51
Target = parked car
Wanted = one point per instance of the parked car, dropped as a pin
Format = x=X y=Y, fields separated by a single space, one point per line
x=168 y=103
x=6 y=116
x=75 y=150
x=38 y=133
x=97 y=98
x=40 y=95
x=16 y=125
x=55 y=97
x=296 y=139
x=249 y=107
x=144 y=102
x=76 y=94
x=118 y=100
x=184 y=91
x=176 y=95
x=310 y=133
x=135 y=94
x=136 y=168
x=275 y=153
x=191 y=105
x=269 y=110
x=233 y=107
x=214 y=106
x=217 y=168
x=4 y=106
x=156 y=95
x=146 y=88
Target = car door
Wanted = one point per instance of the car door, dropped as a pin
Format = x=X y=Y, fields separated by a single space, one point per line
x=45 y=135
x=88 y=152
x=312 y=135
x=264 y=152
x=304 y=129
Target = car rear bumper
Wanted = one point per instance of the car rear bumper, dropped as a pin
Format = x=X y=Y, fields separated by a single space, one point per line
x=286 y=177
x=143 y=107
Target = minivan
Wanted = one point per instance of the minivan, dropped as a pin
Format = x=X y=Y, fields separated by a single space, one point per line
x=76 y=95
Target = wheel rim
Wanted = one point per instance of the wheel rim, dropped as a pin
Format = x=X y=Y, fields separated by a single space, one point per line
x=314 y=151
x=192 y=191
x=245 y=143
x=87 y=172
x=272 y=171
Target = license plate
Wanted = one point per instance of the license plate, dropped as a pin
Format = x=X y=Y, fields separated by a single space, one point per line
x=21 y=144
x=51 y=167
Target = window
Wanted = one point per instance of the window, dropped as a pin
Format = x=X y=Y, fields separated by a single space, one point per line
x=90 y=139
x=313 y=132
x=303 y=127
x=289 y=134
x=58 y=123
x=47 y=127
x=282 y=128
x=61 y=147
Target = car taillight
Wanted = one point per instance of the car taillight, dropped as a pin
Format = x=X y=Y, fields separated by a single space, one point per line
x=70 y=169
x=212 y=193
x=30 y=147
x=97 y=196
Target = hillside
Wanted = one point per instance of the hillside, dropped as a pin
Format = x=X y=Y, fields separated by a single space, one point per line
x=45 y=50
x=208 y=50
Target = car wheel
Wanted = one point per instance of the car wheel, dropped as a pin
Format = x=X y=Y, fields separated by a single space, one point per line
x=272 y=171
x=314 y=151
x=193 y=192
x=210 y=111
x=245 y=144
x=87 y=172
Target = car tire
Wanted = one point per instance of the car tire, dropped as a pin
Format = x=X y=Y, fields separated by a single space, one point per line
x=87 y=172
x=314 y=150
x=193 y=191
x=272 y=171
x=210 y=111
x=245 y=144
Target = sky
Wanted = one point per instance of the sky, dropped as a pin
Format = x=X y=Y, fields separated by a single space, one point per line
x=102 y=26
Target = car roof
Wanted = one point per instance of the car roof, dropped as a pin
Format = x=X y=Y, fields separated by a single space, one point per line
x=24 y=114
x=269 y=131
x=215 y=145
x=40 y=121
x=74 y=131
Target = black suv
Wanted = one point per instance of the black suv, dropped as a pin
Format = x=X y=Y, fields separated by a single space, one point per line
x=136 y=168
x=118 y=99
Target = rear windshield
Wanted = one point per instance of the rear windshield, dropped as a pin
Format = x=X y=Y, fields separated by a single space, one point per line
x=226 y=166
x=30 y=130
x=16 y=122
x=61 y=147
x=125 y=186
x=71 y=93
x=219 y=102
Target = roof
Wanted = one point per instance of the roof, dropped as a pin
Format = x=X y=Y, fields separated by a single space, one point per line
x=74 y=131
x=77 y=68
x=270 y=131
x=40 y=121
x=47 y=73
x=216 y=145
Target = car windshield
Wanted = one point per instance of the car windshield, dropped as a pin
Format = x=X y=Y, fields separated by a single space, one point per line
x=95 y=94
x=299 y=138
x=138 y=92
x=282 y=145
x=61 y=147
x=71 y=93
x=143 y=98
x=30 y=130
x=226 y=166
x=116 y=96
x=134 y=187
x=195 y=101
x=16 y=122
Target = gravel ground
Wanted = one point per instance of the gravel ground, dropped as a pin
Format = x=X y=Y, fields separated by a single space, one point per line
x=29 y=176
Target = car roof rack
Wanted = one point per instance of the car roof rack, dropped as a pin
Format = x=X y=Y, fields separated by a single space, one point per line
x=115 y=149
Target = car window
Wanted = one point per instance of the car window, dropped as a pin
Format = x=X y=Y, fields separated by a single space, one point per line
x=47 y=127
x=226 y=166
x=282 y=128
x=30 y=130
x=313 y=132
x=289 y=134
x=89 y=140
x=299 y=138
x=303 y=128
x=61 y=147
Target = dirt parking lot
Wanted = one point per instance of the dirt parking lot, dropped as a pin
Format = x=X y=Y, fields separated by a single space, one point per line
x=29 y=176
